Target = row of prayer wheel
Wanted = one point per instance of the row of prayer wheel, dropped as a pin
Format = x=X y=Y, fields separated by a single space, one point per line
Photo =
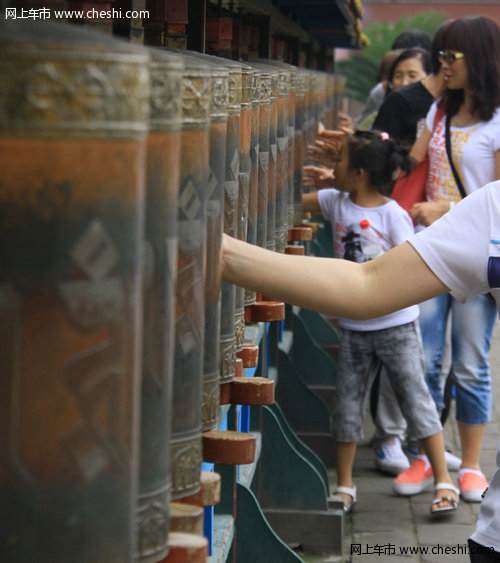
x=121 y=166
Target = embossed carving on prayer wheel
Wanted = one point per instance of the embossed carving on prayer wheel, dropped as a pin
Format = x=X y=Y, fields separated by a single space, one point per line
x=160 y=262
x=189 y=329
x=73 y=123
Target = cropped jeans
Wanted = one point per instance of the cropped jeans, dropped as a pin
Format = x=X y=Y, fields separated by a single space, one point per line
x=471 y=329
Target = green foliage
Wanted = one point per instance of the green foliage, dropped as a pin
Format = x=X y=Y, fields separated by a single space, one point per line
x=361 y=68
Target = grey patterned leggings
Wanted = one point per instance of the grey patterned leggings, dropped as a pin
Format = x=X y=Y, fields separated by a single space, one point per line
x=399 y=350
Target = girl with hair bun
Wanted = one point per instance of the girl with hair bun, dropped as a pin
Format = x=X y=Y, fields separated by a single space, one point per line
x=366 y=223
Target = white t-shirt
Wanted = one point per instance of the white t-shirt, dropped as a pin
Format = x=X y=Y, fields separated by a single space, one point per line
x=390 y=225
x=473 y=152
x=463 y=250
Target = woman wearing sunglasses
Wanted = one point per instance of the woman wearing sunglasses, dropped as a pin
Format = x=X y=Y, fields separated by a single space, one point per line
x=471 y=70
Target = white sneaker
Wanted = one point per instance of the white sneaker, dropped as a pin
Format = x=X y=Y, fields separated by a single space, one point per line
x=453 y=462
x=390 y=458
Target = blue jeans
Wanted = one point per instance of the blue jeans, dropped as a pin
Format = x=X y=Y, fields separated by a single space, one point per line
x=471 y=328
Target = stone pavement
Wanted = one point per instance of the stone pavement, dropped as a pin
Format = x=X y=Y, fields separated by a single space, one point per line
x=383 y=525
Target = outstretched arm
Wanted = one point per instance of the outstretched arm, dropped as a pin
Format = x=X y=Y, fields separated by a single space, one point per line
x=397 y=279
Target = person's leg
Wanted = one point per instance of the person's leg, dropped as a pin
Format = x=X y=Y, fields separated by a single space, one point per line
x=472 y=327
x=390 y=427
x=354 y=379
x=403 y=360
x=389 y=421
x=433 y=447
x=345 y=453
x=471 y=438
x=432 y=321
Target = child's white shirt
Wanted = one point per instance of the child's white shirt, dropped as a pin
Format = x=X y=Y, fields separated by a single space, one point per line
x=391 y=225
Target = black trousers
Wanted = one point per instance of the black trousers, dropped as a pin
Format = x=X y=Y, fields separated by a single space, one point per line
x=480 y=554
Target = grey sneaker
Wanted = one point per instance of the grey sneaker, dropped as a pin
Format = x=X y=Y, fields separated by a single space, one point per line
x=390 y=458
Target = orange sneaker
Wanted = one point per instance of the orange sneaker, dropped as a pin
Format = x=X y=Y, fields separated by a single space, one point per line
x=414 y=479
x=472 y=484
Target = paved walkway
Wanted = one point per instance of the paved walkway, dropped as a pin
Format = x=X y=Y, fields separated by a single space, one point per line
x=383 y=525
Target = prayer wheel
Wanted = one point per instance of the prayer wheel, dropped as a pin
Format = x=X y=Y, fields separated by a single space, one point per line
x=263 y=162
x=250 y=295
x=73 y=124
x=235 y=204
x=231 y=315
x=160 y=261
x=338 y=100
x=282 y=158
x=299 y=146
x=291 y=80
x=218 y=141
x=309 y=113
x=190 y=306
x=329 y=104
x=273 y=162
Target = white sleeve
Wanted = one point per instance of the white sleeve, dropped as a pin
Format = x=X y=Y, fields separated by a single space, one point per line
x=456 y=247
x=326 y=198
x=402 y=229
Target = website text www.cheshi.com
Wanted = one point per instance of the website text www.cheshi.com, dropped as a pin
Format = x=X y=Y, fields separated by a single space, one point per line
x=92 y=14
x=392 y=549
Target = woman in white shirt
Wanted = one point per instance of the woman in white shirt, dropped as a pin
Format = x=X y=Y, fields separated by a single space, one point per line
x=460 y=253
x=471 y=66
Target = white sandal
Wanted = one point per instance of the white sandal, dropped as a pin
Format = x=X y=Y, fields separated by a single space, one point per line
x=351 y=491
x=453 y=502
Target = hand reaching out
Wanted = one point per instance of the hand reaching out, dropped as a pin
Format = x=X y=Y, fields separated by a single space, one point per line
x=325 y=150
x=426 y=212
x=318 y=177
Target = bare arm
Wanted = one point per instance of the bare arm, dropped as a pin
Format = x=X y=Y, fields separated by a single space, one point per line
x=397 y=279
x=419 y=149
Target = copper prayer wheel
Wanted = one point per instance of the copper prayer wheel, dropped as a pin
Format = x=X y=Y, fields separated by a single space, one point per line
x=219 y=138
x=299 y=144
x=282 y=157
x=265 y=85
x=235 y=206
x=73 y=124
x=273 y=162
x=229 y=317
x=253 y=198
x=160 y=261
x=338 y=100
x=309 y=113
x=291 y=80
x=190 y=289
x=329 y=103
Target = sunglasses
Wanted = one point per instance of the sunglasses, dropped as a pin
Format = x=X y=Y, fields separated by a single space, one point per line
x=449 y=58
